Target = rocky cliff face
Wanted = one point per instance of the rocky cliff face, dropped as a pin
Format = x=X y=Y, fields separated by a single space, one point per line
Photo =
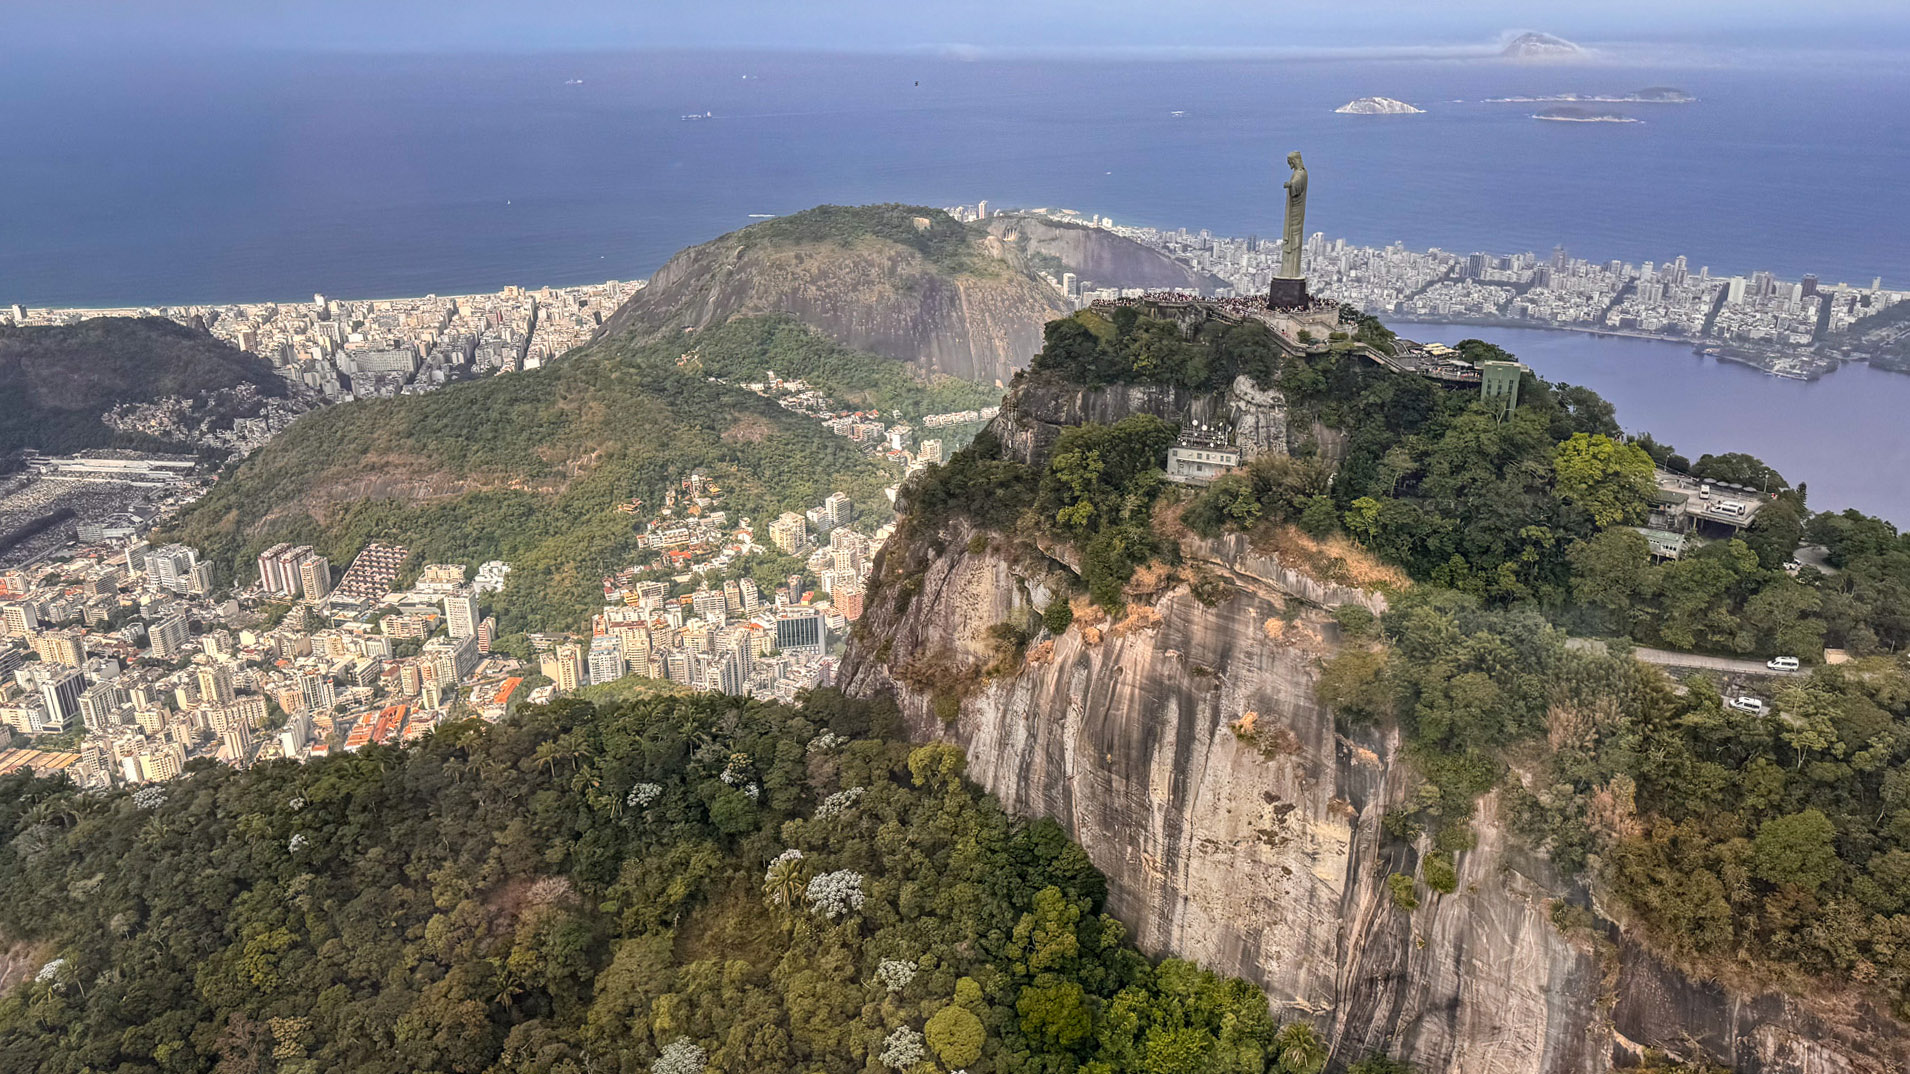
x=1043 y=405
x=1099 y=257
x=1184 y=748
x=965 y=304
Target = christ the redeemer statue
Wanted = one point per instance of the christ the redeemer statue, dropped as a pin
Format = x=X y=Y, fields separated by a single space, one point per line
x=1289 y=286
x=1295 y=235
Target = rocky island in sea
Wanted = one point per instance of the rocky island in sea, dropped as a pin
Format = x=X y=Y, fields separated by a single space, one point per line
x=1541 y=47
x=1571 y=114
x=1649 y=95
x=1378 y=106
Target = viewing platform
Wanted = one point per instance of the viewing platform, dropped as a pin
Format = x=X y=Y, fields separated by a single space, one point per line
x=1681 y=503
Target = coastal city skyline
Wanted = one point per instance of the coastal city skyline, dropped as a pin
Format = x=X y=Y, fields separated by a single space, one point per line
x=1758 y=317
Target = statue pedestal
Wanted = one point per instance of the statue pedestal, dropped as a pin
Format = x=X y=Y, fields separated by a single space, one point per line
x=1287 y=294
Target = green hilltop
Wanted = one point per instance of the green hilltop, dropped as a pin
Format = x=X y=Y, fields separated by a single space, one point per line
x=58 y=380
x=529 y=467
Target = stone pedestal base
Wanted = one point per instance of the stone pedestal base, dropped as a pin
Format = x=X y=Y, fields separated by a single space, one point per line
x=1287 y=294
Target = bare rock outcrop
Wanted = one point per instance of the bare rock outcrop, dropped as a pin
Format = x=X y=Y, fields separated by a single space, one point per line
x=1042 y=405
x=1098 y=256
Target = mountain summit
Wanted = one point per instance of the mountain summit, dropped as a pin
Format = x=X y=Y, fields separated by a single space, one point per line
x=1534 y=45
x=903 y=281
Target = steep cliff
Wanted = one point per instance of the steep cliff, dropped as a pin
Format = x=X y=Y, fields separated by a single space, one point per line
x=1100 y=258
x=1184 y=748
x=901 y=281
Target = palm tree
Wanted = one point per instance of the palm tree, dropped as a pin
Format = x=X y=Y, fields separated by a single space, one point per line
x=1301 y=1050
x=786 y=881
x=506 y=984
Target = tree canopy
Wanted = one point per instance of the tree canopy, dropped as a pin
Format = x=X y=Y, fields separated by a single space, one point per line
x=665 y=884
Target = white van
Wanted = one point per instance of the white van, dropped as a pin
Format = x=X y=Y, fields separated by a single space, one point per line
x=1748 y=704
x=1782 y=663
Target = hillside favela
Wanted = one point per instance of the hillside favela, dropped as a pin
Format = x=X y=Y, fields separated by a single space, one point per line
x=759 y=607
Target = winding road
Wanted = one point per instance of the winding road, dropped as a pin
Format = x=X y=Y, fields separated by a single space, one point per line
x=1668 y=658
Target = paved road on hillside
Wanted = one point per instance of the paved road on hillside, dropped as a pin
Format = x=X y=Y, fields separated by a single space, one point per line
x=1686 y=660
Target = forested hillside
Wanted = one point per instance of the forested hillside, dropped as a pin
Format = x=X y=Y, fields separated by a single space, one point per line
x=1776 y=845
x=903 y=281
x=676 y=885
x=528 y=467
x=58 y=380
x=1767 y=848
x=1536 y=509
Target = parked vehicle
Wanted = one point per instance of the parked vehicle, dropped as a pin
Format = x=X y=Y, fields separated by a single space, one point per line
x=1782 y=663
x=1752 y=705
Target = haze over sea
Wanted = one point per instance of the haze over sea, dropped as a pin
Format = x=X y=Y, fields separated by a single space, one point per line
x=255 y=177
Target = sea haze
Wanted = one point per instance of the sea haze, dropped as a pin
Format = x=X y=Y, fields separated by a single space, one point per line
x=271 y=177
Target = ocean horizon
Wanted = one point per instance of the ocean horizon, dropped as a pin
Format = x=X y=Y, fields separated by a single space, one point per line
x=248 y=177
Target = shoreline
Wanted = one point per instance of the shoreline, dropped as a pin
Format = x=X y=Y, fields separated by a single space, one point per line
x=1701 y=348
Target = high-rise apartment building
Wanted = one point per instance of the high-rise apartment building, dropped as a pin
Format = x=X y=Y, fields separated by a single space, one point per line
x=170 y=567
x=801 y=631
x=461 y=616
x=168 y=636
x=60 y=694
x=316 y=692
x=571 y=670
x=606 y=659
x=215 y=684
x=315 y=576
x=790 y=532
x=99 y=707
x=21 y=617
x=839 y=508
x=710 y=605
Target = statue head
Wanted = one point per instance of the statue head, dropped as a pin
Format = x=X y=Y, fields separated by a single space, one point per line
x=1293 y=159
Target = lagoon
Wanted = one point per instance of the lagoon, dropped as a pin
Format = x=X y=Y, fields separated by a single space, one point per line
x=1846 y=436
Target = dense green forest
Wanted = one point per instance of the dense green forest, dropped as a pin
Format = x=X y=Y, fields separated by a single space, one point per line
x=1536 y=509
x=673 y=885
x=1777 y=843
x=58 y=380
x=528 y=467
x=945 y=241
x=745 y=348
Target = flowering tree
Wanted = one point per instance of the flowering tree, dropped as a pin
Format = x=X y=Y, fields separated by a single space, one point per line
x=835 y=894
x=895 y=974
x=837 y=802
x=680 y=1056
x=903 y=1049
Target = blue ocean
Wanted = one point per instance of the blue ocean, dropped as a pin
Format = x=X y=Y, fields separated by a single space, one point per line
x=256 y=177
x=275 y=176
